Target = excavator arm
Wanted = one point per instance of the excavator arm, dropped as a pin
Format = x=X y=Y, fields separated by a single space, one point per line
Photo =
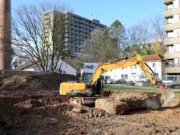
x=125 y=63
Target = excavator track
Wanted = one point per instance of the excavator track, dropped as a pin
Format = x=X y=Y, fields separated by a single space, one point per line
x=85 y=101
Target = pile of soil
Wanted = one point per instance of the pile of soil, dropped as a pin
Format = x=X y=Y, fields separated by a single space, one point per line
x=39 y=81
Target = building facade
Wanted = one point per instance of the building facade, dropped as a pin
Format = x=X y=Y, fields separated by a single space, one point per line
x=172 y=40
x=75 y=29
x=134 y=73
x=20 y=64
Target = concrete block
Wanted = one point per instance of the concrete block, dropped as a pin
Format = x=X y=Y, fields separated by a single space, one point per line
x=110 y=106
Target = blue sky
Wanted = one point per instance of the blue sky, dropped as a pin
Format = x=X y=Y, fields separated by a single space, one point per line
x=128 y=12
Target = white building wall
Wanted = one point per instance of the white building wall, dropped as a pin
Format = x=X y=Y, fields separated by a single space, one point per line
x=134 y=73
x=66 y=68
x=62 y=67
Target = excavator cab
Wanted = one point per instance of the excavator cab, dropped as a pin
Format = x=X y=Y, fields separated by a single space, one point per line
x=86 y=77
x=83 y=88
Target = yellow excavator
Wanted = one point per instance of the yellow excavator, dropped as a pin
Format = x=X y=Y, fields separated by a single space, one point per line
x=95 y=86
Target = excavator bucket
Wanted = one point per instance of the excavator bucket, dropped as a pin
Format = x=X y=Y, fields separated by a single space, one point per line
x=167 y=95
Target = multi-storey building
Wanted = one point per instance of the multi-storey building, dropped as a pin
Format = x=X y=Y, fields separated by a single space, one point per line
x=74 y=29
x=172 y=40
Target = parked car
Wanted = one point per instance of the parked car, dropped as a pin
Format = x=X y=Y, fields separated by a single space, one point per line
x=131 y=83
x=111 y=81
x=172 y=81
x=105 y=79
x=121 y=81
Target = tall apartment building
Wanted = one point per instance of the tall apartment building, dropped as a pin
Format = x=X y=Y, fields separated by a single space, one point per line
x=75 y=29
x=172 y=40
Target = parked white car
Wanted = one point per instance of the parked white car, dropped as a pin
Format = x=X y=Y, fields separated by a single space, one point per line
x=171 y=81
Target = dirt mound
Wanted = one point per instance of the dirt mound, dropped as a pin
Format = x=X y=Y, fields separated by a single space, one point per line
x=39 y=81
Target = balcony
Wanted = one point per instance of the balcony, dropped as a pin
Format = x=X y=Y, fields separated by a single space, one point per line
x=172 y=55
x=172 y=40
x=171 y=12
x=169 y=27
x=167 y=1
x=171 y=70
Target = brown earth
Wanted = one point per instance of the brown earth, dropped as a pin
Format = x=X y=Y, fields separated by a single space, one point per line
x=30 y=111
x=33 y=84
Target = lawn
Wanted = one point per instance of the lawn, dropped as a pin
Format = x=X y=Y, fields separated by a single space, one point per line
x=125 y=88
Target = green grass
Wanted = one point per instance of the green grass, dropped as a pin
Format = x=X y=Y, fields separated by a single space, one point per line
x=134 y=89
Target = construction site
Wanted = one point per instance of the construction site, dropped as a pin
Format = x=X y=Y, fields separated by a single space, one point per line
x=31 y=104
x=51 y=102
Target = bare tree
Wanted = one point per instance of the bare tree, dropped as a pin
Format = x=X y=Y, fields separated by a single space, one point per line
x=158 y=28
x=37 y=35
x=138 y=39
x=158 y=34
x=117 y=32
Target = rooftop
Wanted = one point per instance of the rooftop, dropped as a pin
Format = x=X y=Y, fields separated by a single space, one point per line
x=151 y=57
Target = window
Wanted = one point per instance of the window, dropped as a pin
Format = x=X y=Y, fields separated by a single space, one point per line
x=177 y=47
x=171 y=62
x=124 y=76
x=170 y=49
x=177 y=62
x=153 y=65
x=170 y=34
x=170 y=20
x=170 y=6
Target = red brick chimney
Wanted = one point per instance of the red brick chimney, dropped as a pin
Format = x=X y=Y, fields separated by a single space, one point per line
x=5 y=34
